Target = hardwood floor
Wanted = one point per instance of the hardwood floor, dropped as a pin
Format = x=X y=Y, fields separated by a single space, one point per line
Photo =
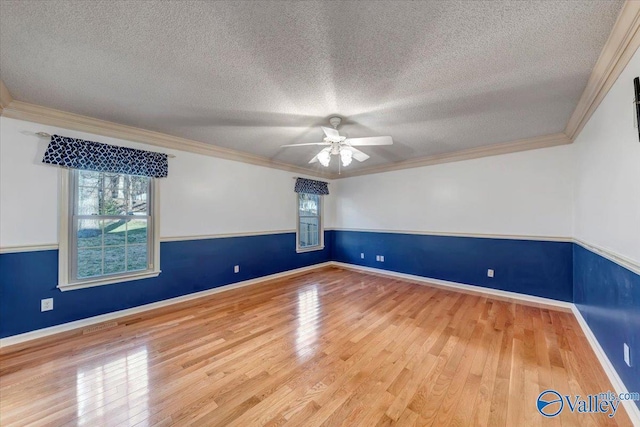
x=331 y=347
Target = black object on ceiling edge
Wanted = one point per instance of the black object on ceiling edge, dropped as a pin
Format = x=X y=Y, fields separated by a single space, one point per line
x=636 y=84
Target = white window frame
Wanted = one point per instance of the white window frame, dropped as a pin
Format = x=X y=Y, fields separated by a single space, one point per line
x=320 y=245
x=65 y=283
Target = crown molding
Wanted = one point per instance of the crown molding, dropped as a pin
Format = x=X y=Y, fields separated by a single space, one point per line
x=5 y=97
x=48 y=116
x=622 y=43
x=472 y=153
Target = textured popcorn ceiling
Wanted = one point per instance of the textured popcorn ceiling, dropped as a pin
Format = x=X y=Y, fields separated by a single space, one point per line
x=438 y=76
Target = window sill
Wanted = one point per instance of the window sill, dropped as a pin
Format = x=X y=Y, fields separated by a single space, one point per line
x=108 y=281
x=311 y=249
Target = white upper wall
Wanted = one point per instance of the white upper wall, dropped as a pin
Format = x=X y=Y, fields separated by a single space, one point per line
x=28 y=189
x=607 y=157
x=525 y=194
x=202 y=196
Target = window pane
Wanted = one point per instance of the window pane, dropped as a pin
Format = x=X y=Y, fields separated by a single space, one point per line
x=138 y=195
x=90 y=192
x=90 y=179
x=89 y=262
x=114 y=259
x=137 y=231
x=88 y=200
x=137 y=257
x=308 y=204
x=309 y=235
x=89 y=233
x=114 y=201
x=114 y=232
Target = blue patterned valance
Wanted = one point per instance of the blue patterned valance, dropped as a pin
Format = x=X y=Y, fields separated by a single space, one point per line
x=310 y=186
x=95 y=156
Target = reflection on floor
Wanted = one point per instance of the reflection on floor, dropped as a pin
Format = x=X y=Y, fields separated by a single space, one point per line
x=122 y=381
x=308 y=320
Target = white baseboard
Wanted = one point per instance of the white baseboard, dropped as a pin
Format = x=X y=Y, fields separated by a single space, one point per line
x=529 y=299
x=614 y=378
x=616 y=381
x=65 y=327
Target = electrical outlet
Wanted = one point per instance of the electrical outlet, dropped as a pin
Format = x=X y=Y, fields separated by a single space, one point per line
x=46 y=304
x=627 y=355
x=362 y=255
x=236 y=269
x=489 y=273
x=377 y=257
x=381 y=258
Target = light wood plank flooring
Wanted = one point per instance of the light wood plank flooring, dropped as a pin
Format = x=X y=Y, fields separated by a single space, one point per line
x=331 y=347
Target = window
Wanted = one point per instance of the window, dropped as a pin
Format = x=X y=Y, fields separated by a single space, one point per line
x=310 y=236
x=110 y=227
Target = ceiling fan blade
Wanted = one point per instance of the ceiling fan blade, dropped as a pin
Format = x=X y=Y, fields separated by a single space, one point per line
x=371 y=140
x=332 y=134
x=358 y=155
x=306 y=143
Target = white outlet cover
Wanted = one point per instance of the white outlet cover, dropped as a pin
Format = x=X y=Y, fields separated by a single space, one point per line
x=377 y=257
x=236 y=269
x=627 y=355
x=382 y=258
x=46 y=304
x=362 y=255
x=489 y=273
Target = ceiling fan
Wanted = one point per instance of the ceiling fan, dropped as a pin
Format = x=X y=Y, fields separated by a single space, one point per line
x=342 y=146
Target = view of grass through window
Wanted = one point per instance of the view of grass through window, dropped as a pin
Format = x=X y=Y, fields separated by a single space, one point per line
x=111 y=223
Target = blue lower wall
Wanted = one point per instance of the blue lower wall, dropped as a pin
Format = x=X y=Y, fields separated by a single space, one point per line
x=608 y=297
x=539 y=268
x=187 y=267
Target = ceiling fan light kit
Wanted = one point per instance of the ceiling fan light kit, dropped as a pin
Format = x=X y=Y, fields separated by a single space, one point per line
x=324 y=157
x=342 y=146
x=346 y=156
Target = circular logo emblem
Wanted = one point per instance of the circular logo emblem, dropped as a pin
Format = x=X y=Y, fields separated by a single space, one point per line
x=550 y=403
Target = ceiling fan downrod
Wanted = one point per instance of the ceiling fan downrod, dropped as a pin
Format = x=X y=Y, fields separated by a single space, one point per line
x=335 y=121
